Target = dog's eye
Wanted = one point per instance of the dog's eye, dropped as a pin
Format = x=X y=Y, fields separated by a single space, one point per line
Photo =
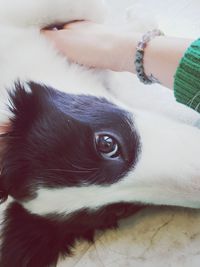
x=107 y=146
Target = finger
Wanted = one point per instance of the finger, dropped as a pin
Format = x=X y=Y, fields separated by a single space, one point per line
x=54 y=36
x=49 y=33
x=76 y=24
x=59 y=39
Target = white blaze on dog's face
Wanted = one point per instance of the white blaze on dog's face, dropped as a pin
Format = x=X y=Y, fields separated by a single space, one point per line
x=72 y=152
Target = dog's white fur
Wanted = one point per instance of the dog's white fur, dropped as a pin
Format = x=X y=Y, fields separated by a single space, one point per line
x=168 y=170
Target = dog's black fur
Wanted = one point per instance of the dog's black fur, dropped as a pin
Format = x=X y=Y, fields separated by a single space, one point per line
x=30 y=240
x=51 y=144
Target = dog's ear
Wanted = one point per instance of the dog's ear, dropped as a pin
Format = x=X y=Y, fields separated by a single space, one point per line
x=5 y=128
x=27 y=101
x=3 y=193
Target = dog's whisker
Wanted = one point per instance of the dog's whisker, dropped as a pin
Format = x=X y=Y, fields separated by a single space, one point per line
x=73 y=171
x=79 y=167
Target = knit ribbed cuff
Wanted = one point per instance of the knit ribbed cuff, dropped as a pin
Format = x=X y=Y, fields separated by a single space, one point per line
x=187 y=77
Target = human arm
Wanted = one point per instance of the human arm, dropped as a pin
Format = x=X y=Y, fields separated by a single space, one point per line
x=97 y=45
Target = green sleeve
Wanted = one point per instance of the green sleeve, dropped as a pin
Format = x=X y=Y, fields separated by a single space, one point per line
x=187 y=77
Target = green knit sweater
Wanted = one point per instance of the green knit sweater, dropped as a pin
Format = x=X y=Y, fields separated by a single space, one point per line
x=187 y=77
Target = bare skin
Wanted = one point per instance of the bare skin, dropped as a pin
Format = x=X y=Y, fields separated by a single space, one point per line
x=96 y=45
x=5 y=128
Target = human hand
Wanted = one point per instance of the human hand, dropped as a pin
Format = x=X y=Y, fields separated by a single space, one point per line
x=94 y=45
x=107 y=47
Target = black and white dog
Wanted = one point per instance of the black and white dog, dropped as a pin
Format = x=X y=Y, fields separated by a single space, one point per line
x=73 y=158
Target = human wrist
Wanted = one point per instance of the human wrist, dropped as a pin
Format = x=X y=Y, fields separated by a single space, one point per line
x=162 y=56
x=123 y=52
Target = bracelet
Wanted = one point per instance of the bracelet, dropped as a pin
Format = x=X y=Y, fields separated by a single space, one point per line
x=139 y=57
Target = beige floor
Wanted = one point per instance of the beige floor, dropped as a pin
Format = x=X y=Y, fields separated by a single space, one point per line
x=154 y=237
x=164 y=237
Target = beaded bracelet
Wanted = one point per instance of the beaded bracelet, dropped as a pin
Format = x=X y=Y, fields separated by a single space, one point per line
x=139 y=57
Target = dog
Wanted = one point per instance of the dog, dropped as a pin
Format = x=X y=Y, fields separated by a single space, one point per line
x=74 y=159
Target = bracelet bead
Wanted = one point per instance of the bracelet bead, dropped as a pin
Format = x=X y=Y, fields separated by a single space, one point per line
x=139 y=57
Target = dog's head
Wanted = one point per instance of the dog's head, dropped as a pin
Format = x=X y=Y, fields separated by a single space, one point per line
x=66 y=153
